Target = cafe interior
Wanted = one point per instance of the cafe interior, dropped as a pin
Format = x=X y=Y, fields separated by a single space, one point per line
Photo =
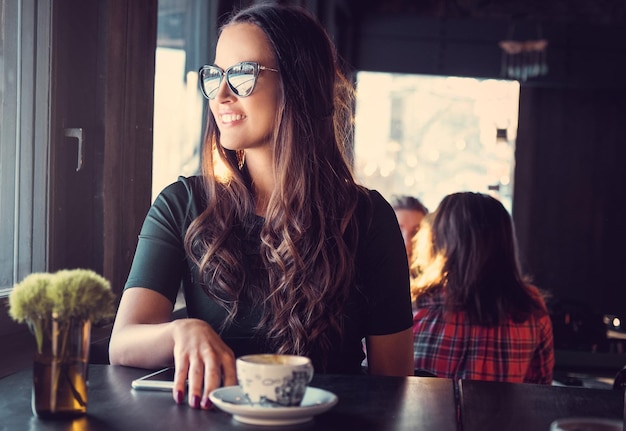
x=77 y=178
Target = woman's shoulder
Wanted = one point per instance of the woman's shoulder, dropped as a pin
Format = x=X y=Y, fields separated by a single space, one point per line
x=191 y=183
x=430 y=298
x=184 y=197
x=538 y=296
x=377 y=223
x=373 y=203
x=535 y=292
x=373 y=197
x=184 y=188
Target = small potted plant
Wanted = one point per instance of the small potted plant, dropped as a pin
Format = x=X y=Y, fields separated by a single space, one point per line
x=59 y=309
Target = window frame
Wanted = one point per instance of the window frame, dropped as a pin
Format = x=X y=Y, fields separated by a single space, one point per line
x=25 y=149
x=119 y=38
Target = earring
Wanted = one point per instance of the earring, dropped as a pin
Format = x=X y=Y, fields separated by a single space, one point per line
x=241 y=159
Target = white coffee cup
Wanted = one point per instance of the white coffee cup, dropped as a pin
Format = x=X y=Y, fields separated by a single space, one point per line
x=274 y=380
x=586 y=424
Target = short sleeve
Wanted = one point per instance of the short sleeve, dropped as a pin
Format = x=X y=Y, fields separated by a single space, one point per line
x=160 y=261
x=384 y=273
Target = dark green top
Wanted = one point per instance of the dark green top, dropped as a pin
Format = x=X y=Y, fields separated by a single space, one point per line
x=379 y=303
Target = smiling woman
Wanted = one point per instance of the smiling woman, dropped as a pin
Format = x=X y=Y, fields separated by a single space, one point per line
x=269 y=261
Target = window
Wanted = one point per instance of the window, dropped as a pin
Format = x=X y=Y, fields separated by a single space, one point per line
x=24 y=136
x=182 y=45
x=429 y=136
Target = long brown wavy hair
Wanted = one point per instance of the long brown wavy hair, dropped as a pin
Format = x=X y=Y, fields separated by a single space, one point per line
x=472 y=256
x=309 y=234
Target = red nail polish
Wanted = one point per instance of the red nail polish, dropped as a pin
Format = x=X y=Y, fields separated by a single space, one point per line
x=179 y=397
x=195 y=402
x=206 y=404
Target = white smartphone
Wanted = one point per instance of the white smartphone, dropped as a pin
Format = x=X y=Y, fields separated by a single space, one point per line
x=161 y=380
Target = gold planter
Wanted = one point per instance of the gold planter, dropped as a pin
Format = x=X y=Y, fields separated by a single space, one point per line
x=60 y=368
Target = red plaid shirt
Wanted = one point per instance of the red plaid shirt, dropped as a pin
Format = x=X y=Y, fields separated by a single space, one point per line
x=448 y=346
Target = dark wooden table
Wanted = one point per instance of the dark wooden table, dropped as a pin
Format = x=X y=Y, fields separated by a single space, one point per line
x=492 y=406
x=365 y=403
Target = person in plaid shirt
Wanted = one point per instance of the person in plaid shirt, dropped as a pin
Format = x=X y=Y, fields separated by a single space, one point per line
x=475 y=317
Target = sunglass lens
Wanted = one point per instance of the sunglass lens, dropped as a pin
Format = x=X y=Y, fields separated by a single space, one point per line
x=242 y=78
x=211 y=78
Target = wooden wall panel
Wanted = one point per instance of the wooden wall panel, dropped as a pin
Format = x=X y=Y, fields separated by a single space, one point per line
x=130 y=44
x=75 y=193
x=570 y=182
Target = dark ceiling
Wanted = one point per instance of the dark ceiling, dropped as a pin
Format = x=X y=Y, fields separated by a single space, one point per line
x=600 y=12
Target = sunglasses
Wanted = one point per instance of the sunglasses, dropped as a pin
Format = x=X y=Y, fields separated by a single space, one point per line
x=241 y=78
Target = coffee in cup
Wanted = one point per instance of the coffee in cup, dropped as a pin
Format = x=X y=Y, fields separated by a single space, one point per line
x=274 y=379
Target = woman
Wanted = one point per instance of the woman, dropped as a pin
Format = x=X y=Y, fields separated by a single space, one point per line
x=475 y=317
x=277 y=248
x=410 y=212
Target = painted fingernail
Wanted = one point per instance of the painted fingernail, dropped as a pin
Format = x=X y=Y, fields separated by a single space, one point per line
x=206 y=404
x=179 y=397
x=195 y=402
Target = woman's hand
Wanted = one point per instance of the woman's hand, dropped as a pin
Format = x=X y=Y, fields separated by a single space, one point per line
x=202 y=359
x=143 y=336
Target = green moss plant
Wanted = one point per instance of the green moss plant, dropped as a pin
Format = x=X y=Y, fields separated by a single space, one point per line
x=50 y=304
x=67 y=294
